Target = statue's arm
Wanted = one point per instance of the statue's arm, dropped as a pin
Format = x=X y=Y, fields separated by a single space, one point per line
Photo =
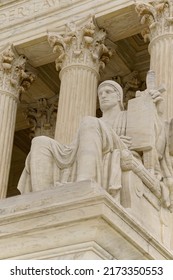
x=158 y=100
x=126 y=140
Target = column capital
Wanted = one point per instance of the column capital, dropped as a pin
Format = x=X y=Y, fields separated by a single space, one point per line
x=158 y=16
x=41 y=116
x=80 y=45
x=14 y=78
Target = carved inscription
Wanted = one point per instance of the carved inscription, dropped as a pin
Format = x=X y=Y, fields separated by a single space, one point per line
x=29 y=8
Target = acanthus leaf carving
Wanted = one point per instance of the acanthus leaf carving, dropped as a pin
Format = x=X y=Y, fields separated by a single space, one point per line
x=14 y=78
x=80 y=45
x=157 y=15
x=41 y=116
x=27 y=78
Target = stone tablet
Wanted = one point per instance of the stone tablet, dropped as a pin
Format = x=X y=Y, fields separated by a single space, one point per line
x=140 y=123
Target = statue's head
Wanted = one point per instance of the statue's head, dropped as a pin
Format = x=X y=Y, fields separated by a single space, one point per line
x=110 y=94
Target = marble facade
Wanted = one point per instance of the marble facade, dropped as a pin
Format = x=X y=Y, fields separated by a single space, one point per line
x=60 y=56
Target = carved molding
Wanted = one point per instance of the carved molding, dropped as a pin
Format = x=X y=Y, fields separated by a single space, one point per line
x=80 y=45
x=158 y=16
x=14 y=79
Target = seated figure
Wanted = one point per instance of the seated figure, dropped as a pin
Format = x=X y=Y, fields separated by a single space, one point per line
x=99 y=151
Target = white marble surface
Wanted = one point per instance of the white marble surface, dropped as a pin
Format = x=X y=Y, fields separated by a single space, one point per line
x=77 y=221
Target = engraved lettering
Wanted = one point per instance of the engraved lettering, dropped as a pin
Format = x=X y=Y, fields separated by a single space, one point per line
x=3 y=18
x=36 y=7
x=22 y=11
x=47 y=4
x=29 y=8
x=12 y=15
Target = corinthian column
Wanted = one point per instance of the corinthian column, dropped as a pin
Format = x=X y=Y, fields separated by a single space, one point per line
x=13 y=81
x=158 y=15
x=81 y=55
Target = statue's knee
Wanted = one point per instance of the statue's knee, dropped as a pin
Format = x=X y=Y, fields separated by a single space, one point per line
x=40 y=141
x=89 y=123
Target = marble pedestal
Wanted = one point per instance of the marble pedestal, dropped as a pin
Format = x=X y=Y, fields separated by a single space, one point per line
x=75 y=221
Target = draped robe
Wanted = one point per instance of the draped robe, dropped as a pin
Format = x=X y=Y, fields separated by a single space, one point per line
x=94 y=154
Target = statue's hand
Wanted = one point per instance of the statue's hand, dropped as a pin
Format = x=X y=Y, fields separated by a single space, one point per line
x=156 y=96
x=158 y=100
x=126 y=140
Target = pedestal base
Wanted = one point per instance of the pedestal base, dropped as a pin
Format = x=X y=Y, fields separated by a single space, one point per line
x=146 y=208
x=74 y=221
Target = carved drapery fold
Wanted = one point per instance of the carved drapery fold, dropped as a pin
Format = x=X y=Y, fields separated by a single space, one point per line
x=82 y=54
x=14 y=80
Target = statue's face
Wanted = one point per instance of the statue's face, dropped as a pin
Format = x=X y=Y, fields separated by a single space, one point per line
x=108 y=97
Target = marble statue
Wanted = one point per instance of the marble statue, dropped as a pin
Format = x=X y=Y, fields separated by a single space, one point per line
x=102 y=150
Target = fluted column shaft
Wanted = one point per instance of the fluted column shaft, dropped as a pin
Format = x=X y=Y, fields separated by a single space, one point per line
x=161 y=51
x=8 y=108
x=13 y=81
x=82 y=54
x=78 y=97
x=158 y=16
